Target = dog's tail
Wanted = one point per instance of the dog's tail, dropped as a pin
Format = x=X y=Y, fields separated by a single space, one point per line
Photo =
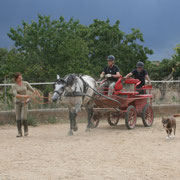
x=176 y=115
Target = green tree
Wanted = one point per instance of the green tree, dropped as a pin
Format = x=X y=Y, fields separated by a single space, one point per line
x=161 y=70
x=41 y=43
x=105 y=39
x=49 y=47
x=176 y=61
x=10 y=62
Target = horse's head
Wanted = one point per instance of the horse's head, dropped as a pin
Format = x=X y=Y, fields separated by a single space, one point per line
x=63 y=84
x=59 y=88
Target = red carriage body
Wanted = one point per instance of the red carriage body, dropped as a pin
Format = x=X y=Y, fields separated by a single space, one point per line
x=125 y=103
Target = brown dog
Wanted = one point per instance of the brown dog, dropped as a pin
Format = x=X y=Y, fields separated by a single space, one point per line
x=170 y=124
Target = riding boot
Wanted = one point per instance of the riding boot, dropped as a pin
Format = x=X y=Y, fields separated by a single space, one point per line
x=19 y=128
x=25 y=127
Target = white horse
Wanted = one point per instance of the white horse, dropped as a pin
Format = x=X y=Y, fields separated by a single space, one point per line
x=78 y=91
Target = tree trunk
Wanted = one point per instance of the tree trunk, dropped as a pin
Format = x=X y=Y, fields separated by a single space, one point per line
x=162 y=89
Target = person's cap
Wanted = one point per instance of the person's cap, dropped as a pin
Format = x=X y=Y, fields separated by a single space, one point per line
x=140 y=64
x=110 y=58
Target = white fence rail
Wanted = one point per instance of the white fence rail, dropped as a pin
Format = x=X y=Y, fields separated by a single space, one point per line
x=170 y=96
x=50 y=83
x=41 y=83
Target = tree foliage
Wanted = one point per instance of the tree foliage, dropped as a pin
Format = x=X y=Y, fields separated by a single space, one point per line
x=161 y=70
x=48 y=47
x=105 y=39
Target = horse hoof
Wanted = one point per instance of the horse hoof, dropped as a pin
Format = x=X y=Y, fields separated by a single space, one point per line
x=76 y=128
x=70 y=133
x=88 y=130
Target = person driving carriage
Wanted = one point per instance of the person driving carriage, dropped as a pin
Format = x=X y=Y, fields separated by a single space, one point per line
x=111 y=74
x=141 y=74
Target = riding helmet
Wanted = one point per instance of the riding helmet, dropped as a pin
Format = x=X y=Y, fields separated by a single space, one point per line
x=140 y=64
x=110 y=58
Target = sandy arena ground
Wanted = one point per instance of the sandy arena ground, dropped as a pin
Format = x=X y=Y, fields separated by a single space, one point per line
x=105 y=153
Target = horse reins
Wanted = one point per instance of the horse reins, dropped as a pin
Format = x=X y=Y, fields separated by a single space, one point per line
x=80 y=94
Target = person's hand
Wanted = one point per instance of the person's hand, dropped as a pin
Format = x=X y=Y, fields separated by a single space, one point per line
x=26 y=96
x=36 y=92
x=148 y=82
x=27 y=100
x=126 y=77
x=108 y=75
x=102 y=76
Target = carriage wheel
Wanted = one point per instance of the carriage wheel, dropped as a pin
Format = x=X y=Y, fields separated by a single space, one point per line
x=130 y=117
x=147 y=115
x=113 y=119
x=95 y=120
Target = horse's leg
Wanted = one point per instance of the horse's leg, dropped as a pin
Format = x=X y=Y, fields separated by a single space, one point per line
x=75 y=111
x=90 y=114
x=70 y=133
x=74 y=125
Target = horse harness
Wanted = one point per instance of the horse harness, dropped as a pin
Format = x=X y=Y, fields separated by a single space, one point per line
x=82 y=92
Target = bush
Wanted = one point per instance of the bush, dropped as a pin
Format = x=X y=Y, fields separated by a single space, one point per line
x=32 y=121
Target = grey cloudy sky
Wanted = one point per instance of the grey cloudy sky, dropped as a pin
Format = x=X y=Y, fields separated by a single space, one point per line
x=158 y=20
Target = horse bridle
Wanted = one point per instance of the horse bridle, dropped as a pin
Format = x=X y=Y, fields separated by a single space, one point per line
x=83 y=94
x=75 y=93
x=58 y=91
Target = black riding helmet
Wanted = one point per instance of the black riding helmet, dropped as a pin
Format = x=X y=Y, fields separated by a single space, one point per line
x=140 y=64
x=110 y=58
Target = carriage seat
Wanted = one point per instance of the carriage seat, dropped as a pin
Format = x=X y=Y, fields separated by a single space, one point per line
x=147 y=87
x=119 y=86
x=118 y=89
x=132 y=81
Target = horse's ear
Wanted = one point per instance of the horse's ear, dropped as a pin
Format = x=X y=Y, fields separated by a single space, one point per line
x=70 y=80
x=58 y=77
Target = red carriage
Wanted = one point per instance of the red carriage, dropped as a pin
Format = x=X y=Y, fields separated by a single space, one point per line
x=125 y=103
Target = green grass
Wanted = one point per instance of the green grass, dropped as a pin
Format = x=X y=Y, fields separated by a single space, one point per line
x=52 y=120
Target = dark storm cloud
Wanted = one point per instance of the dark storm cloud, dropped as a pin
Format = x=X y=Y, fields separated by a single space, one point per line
x=157 y=19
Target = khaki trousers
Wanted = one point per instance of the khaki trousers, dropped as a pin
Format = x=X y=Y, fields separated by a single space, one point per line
x=107 y=84
x=21 y=110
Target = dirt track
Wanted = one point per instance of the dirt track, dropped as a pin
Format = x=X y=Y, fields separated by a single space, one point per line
x=105 y=153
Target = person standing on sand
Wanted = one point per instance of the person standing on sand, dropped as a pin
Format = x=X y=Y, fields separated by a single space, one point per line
x=19 y=90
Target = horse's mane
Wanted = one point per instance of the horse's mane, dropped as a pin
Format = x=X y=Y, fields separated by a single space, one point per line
x=70 y=79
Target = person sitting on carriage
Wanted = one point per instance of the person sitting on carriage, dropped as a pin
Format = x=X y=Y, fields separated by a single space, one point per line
x=141 y=74
x=111 y=74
